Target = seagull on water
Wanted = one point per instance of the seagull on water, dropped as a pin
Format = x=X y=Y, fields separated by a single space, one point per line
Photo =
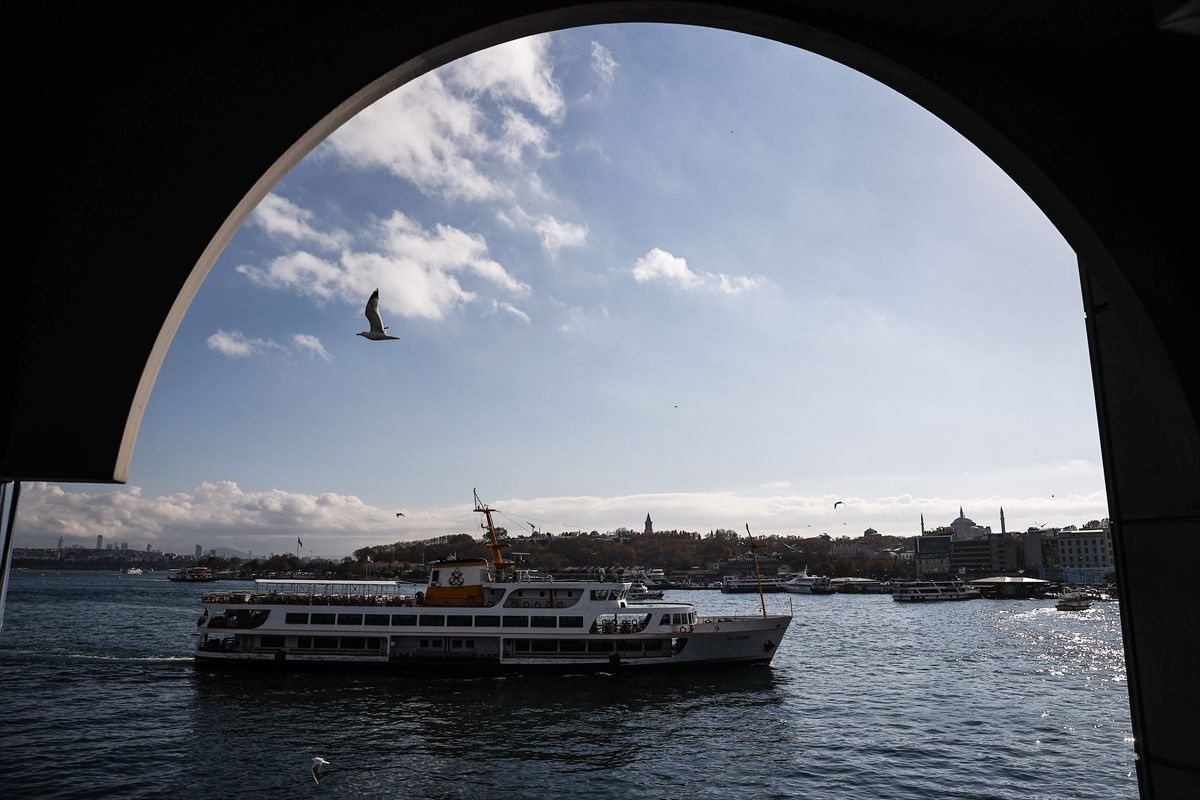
x=318 y=762
x=378 y=332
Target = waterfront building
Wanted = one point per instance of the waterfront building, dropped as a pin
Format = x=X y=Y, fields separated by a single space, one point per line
x=995 y=554
x=198 y=551
x=931 y=554
x=100 y=541
x=1086 y=556
x=845 y=547
x=1040 y=549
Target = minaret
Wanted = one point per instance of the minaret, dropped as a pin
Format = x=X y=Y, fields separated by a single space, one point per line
x=649 y=525
x=922 y=524
x=1001 y=520
x=960 y=514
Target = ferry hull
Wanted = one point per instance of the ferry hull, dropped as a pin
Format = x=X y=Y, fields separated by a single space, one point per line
x=479 y=668
x=710 y=642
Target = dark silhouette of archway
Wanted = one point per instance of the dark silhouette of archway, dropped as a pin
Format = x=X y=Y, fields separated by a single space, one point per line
x=143 y=144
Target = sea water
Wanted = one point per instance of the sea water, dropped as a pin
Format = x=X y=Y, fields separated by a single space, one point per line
x=866 y=697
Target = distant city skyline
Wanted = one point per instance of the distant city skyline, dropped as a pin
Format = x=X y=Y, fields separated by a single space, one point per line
x=631 y=269
x=518 y=530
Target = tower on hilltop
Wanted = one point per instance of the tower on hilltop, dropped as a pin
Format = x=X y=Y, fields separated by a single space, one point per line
x=649 y=525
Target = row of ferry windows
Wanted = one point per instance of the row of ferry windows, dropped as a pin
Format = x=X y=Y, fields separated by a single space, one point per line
x=521 y=646
x=435 y=620
x=328 y=642
x=583 y=646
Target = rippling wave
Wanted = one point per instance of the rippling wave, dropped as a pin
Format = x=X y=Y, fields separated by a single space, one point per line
x=866 y=698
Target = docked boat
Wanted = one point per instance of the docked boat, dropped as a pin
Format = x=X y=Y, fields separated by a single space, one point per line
x=1075 y=601
x=133 y=571
x=639 y=591
x=193 y=575
x=475 y=616
x=933 y=591
x=655 y=577
x=748 y=584
x=803 y=583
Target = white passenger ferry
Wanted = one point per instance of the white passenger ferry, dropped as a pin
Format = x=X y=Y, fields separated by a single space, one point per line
x=803 y=583
x=932 y=591
x=749 y=584
x=475 y=616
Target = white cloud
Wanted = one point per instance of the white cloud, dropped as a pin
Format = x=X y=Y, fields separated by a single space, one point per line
x=509 y=308
x=659 y=265
x=278 y=216
x=417 y=270
x=553 y=233
x=235 y=344
x=579 y=320
x=522 y=134
x=604 y=67
x=311 y=344
x=514 y=72
x=300 y=270
x=425 y=134
x=438 y=132
x=445 y=250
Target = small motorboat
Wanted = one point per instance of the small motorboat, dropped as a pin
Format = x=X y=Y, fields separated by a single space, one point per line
x=1075 y=601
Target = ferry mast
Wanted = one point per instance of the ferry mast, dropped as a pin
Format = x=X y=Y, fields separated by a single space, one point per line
x=757 y=575
x=491 y=540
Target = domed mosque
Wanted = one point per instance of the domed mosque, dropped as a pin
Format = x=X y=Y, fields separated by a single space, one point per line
x=967 y=529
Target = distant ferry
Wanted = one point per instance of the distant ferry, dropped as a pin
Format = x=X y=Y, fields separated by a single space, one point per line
x=742 y=584
x=803 y=583
x=932 y=591
x=475 y=616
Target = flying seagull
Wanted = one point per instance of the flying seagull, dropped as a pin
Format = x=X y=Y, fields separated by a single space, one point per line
x=318 y=762
x=399 y=513
x=838 y=503
x=378 y=332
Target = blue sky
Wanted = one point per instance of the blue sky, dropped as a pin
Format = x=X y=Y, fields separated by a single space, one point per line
x=635 y=269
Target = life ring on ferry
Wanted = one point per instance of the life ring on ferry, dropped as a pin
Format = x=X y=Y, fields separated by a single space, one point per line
x=691 y=628
x=683 y=629
x=537 y=603
x=560 y=604
x=525 y=604
x=716 y=627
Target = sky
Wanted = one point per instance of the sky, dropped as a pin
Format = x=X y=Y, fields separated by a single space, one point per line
x=632 y=270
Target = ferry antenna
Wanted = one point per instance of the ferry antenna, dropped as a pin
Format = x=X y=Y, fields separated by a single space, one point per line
x=757 y=575
x=493 y=541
